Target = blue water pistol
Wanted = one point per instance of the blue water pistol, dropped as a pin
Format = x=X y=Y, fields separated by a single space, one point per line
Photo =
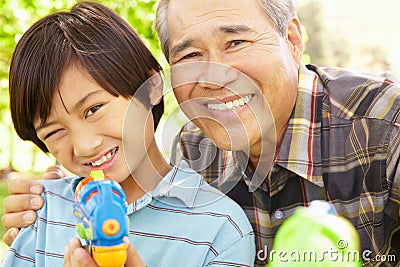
x=101 y=209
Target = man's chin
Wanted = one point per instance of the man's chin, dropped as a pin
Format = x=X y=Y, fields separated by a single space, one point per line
x=232 y=145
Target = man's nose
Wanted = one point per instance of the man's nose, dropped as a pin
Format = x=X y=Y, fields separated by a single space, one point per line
x=213 y=75
x=86 y=143
x=204 y=73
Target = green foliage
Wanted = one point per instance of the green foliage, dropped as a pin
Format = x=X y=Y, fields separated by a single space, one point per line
x=3 y=194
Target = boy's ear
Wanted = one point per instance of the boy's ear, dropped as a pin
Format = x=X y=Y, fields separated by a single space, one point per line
x=155 y=88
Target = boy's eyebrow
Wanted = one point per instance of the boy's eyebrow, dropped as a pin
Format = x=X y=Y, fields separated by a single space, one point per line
x=82 y=102
x=43 y=126
x=78 y=105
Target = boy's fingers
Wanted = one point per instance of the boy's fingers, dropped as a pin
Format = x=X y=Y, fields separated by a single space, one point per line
x=79 y=257
x=18 y=219
x=67 y=259
x=74 y=243
x=10 y=235
x=68 y=252
x=24 y=186
x=24 y=202
x=82 y=258
x=133 y=258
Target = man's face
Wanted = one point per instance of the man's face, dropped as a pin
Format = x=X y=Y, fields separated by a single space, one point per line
x=256 y=65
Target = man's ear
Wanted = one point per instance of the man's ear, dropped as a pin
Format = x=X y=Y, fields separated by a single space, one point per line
x=295 y=38
x=155 y=88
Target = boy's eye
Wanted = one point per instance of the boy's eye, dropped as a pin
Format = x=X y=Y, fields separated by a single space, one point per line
x=92 y=110
x=50 y=134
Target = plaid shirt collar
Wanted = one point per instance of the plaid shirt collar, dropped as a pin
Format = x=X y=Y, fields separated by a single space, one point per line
x=300 y=150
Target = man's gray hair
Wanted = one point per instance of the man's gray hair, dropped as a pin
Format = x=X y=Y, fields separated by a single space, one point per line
x=279 y=11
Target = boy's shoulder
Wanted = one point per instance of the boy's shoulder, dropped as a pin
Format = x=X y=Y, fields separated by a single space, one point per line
x=62 y=189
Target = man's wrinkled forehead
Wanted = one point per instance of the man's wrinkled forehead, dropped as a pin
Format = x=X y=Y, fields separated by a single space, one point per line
x=189 y=20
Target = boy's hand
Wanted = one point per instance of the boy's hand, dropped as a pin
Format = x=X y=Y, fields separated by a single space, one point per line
x=24 y=199
x=76 y=256
x=19 y=206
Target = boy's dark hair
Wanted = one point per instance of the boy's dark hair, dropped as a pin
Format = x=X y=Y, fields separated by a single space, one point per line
x=91 y=35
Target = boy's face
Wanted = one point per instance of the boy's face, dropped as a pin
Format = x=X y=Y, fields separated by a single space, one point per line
x=84 y=128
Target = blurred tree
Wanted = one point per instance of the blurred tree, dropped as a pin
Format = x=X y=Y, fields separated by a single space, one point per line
x=311 y=14
x=351 y=34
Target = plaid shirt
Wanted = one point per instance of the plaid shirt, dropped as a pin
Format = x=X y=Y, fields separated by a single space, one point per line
x=341 y=145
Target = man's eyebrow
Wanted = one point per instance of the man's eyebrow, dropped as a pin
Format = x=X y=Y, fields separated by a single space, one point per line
x=234 y=29
x=180 y=47
x=78 y=105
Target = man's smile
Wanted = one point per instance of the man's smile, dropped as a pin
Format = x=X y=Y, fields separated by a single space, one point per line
x=230 y=105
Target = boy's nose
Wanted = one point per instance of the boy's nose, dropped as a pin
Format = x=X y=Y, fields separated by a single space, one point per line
x=86 y=145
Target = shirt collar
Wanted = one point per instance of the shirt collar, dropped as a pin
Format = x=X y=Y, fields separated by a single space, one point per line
x=300 y=150
x=181 y=183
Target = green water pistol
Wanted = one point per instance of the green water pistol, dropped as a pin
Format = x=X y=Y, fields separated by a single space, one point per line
x=316 y=236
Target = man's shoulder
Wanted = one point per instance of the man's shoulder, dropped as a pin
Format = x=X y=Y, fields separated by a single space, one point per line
x=350 y=78
x=350 y=94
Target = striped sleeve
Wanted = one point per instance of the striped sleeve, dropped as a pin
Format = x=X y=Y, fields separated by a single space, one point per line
x=22 y=251
x=235 y=255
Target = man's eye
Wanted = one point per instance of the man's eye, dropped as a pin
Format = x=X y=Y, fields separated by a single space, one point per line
x=191 y=55
x=92 y=110
x=235 y=43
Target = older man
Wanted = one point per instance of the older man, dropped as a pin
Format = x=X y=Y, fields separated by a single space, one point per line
x=337 y=132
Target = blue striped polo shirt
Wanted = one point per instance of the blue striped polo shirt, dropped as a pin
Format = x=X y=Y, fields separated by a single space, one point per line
x=182 y=222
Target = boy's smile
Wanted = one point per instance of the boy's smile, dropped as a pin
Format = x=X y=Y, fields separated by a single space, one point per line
x=103 y=162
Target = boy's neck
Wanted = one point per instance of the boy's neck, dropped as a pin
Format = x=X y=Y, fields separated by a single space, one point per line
x=147 y=175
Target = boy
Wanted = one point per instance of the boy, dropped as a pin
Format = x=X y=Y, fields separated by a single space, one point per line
x=77 y=85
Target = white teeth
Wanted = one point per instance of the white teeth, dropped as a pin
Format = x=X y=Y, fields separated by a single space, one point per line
x=247 y=98
x=231 y=104
x=104 y=158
